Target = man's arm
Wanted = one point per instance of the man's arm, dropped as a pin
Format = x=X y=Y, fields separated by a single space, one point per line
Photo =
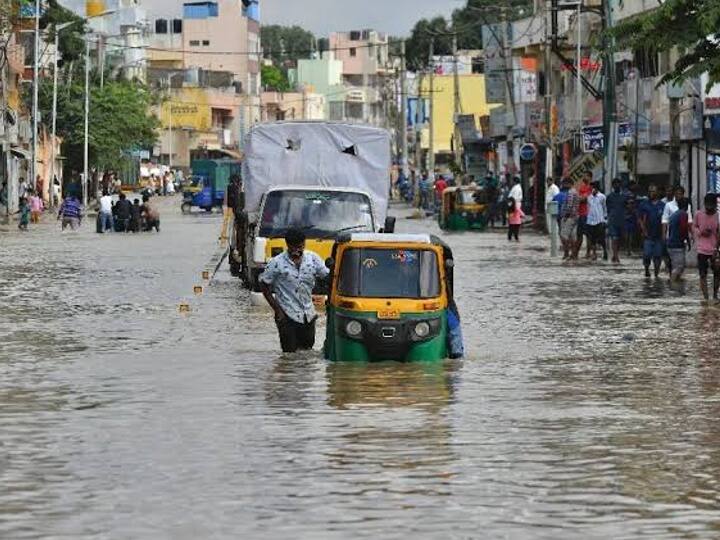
x=266 y=280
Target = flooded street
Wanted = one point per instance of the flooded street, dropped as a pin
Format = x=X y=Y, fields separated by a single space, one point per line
x=587 y=405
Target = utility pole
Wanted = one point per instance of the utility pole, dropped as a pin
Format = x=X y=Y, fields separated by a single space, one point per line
x=674 y=141
x=509 y=97
x=457 y=104
x=609 y=106
x=403 y=113
x=54 y=117
x=36 y=84
x=11 y=196
x=550 y=153
x=431 y=113
x=578 y=82
x=86 y=168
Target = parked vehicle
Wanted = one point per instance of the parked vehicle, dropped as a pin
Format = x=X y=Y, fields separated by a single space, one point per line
x=391 y=299
x=209 y=183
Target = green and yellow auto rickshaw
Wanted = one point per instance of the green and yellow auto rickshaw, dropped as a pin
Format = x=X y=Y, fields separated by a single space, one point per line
x=463 y=208
x=390 y=299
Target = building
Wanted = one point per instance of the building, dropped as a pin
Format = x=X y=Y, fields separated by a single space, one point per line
x=323 y=75
x=207 y=60
x=303 y=105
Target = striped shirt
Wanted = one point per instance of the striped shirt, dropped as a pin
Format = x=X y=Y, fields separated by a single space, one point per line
x=71 y=208
x=571 y=206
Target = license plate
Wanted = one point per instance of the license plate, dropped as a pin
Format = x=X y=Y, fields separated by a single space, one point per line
x=387 y=314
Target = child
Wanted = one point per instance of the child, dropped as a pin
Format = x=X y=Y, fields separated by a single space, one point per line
x=36 y=207
x=515 y=219
x=24 y=214
x=135 y=216
x=678 y=239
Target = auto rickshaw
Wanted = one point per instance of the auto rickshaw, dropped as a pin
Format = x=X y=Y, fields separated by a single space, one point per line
x=391 y=299
x=463 y=208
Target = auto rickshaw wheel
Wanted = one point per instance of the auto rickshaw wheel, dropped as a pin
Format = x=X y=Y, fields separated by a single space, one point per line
x=186 y=207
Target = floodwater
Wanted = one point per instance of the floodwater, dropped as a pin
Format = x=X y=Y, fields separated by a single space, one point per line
x=587 y=406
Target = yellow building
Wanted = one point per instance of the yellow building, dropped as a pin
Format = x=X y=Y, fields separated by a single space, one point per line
x=472 y=98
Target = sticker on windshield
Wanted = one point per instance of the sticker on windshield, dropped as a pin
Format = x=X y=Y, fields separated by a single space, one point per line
x=404 y=257
x=317 y=197
x=370 y=263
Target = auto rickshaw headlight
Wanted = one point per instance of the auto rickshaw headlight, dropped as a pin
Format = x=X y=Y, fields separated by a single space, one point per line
x=353 y=328
x=422 y=329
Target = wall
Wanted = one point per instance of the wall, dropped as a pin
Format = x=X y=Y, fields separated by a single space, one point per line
x=472 y=97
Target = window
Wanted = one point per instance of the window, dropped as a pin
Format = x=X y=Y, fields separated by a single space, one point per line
x=206 y=43
x=320 y=214
x=646 y=61
x=194 y=43
x=177 y=26
x=355 y=36
x=389 y=273
x=353 y=52
x=161 y=26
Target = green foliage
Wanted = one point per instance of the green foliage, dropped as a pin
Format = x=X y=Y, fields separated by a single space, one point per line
x=467 y=22
x=273 y=78
x=295 y=41
x=693 y=26
x=119 y=121
x=72 y=46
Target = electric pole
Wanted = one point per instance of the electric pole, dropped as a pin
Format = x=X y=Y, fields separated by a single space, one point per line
x=509 y=97
x=674 y=141
x=403 y=112
x=457 y=104
x=36 y=84
x=431 y=112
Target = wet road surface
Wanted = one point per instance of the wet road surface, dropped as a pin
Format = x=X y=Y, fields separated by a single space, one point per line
x=587 y=407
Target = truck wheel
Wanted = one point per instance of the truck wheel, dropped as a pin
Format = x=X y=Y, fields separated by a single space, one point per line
x=186 y=207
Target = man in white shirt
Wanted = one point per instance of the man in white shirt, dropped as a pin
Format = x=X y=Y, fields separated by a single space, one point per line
x=550 y=192
x=517 y=193
x=105 y=217
x=596 y=221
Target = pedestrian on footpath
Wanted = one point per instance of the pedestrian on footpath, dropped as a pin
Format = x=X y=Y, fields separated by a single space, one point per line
x=24 y=212
x=292 y=276
x=707 y=241
x=440 y=186
x=569 y=222
x=515 y=219
x=650 y=218
x=550 y=192
x=616 y=204
x=36 y=207
x=105 y=217
x=584 y=192
x=596 y=221
x=678 y=241
x=70 y=213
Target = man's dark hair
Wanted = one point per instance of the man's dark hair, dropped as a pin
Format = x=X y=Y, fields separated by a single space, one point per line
x=123 y=196
x=616 y=181
x=235 y=179
x=679 y=188
x=711 y=199
x=683 y=204
x=294 y=237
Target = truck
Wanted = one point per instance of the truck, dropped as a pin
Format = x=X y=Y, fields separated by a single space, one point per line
x=208 y=184
x=321 y=177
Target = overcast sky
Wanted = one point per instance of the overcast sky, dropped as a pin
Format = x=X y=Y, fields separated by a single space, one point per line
x=396 y=17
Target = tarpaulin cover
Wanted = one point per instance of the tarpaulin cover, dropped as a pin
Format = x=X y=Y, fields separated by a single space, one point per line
x=317 y=155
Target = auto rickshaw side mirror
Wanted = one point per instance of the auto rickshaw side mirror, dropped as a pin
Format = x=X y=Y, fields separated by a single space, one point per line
x=389 y=225
x=449 y=263
x=330 y=263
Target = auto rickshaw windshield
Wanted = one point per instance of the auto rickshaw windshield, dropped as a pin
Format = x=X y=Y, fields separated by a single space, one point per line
x=389 y=273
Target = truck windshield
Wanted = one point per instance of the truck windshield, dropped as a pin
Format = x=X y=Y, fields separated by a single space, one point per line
x=389 y=273
x=320 y=214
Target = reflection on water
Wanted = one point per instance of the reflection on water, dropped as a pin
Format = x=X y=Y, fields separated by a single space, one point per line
x=587 y=406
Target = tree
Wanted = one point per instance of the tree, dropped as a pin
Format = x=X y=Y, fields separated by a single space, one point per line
x=72 y=45
x=273 y=78
x=418 y=46
x=692 y=26
x=286 y=44
x=119 y=121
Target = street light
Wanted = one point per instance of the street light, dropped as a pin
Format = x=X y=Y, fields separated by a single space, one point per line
x=59 y=28
x=170 y=118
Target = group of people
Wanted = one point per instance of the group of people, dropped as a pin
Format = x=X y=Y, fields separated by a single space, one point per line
x=666 y=225
x=126 y=216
